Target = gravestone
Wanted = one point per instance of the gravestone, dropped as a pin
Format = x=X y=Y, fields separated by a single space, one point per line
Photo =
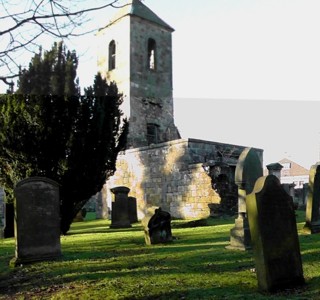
x=289 y=188
x=102 y=209
x=37 y=221
x=305 y=194
x=157 y=227
x=79 y=217
x=312 y=224
x=274 y=236
x=120 y=212
x=2 y=213
x=275 y=169
x=9 y=221
x=132 y=210
x=248 y=170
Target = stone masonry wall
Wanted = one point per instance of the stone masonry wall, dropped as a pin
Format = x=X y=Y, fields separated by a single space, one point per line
x=171 y=175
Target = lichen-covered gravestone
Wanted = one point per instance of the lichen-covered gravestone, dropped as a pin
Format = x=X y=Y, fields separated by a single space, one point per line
x=313 y=201
x=37 y=221
x=274 y=236
x=2 y=213
x=157 y=227
x=248 y=170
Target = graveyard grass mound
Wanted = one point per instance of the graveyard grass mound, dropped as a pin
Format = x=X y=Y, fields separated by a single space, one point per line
x=99 y=262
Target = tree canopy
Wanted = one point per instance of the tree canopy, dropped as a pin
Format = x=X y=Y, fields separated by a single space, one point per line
x=50 y=130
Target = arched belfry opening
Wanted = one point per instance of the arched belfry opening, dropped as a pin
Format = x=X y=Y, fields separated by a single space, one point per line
x=152 y=54
x=112 y=55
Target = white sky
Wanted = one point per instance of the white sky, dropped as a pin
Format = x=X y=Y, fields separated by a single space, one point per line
x=263 y=51
x=233 y=61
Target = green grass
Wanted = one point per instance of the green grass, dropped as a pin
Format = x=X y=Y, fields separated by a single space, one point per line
x=103 y=263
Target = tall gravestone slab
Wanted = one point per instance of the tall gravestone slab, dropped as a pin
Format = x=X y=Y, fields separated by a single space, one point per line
x=274 y=236
x=37 y=221
x=305 y=191
x=120 y=212
x=132 y=209
x=312 y=224
x=248 y=170
x=9 y=221
x=102 y=210
x=2 y=213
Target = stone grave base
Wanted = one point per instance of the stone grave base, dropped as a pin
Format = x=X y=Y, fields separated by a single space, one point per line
x=18 y=261
x=311 y=228
x=240 y=238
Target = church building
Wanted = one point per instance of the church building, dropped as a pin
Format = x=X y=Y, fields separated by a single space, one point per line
x=185 y=177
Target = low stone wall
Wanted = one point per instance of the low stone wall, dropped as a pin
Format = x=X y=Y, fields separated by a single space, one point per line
x=171 y=175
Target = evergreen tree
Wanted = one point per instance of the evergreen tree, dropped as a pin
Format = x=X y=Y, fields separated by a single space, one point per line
x=96 y=143
x=69 y=138
x=15 y=126
x=51 y=73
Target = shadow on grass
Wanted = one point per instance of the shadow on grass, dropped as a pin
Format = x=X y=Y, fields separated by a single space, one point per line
x=195 y=266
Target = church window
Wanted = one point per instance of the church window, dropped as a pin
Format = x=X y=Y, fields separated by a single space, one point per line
x=152 y=133
x=151 y=54
x=112 y=55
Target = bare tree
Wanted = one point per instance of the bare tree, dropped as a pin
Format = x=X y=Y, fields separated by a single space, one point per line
x=24 y=23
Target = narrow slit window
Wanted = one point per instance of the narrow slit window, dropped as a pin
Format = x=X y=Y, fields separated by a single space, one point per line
x=152 y=54
x=112 y=55
x=152 y=133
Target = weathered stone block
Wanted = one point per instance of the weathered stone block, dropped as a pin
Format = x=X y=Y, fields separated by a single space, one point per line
x=157 y=227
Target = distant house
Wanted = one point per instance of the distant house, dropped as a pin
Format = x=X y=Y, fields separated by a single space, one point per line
x=293 y=173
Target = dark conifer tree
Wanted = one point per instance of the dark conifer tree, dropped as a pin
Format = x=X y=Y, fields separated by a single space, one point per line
x=49 y=130
x=51 y=73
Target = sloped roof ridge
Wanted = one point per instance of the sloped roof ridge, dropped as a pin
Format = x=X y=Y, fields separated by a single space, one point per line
x=137 y=8
x=296 y=169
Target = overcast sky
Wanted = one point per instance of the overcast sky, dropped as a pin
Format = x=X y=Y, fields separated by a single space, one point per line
x=245 y=72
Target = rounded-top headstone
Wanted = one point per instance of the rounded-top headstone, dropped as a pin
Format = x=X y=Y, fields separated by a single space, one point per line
x=248 y=170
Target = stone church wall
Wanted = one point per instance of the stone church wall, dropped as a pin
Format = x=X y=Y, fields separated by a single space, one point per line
x=171 y=175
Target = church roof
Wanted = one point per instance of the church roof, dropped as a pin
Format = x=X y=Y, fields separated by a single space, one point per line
x=137 y=8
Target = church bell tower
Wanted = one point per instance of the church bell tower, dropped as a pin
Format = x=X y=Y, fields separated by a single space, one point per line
x=135 y=52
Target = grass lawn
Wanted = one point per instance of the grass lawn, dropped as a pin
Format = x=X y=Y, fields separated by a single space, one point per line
x=103 y=263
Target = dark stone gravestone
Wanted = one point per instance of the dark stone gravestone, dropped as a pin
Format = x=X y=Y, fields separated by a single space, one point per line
x=9 y=221
x=79 y=217
x=248 y=170
x=274 y=236
x=102 y=209
x=312 y=224
x=37 y=221
x=305 y=194
x=289 y=188
x=120 y=212
x=2 y=213
x=132 y=209
x=157 y=227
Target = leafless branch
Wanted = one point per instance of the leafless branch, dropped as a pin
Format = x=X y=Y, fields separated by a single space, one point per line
x=23 y=25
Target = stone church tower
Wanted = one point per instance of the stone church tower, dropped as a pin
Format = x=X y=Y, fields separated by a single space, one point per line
x=135 y=52
x=186 y=177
